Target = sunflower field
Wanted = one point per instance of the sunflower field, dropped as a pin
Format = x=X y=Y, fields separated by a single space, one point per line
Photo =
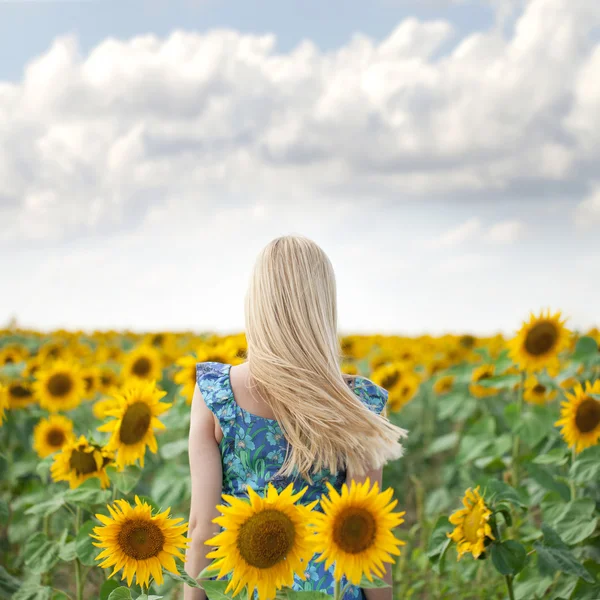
x=499 y=486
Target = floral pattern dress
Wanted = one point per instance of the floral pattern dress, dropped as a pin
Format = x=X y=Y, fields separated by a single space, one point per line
x=253 y=450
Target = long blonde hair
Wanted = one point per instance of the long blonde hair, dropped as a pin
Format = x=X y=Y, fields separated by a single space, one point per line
x=294 y=358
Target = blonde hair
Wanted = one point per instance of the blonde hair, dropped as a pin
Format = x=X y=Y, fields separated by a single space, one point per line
x=294 y=358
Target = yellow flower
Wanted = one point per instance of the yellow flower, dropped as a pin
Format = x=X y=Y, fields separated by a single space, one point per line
x=536 y=393
x=79 y=461
x=13 y=353
x=138 y=542
x=349 y=368
x=20 y=394
x=102 y=407
x=91 y=379
x=538 y=342
x=355 y=530
x=479 y=374
x=187 y=376
x=264 y=541
x=59 y=386
x=580 y=417
x=472 y=527
x=443 y=385
x=135 y=421
x=400 y=382
x=3 y=401
x=51 y=434
x=144 y=362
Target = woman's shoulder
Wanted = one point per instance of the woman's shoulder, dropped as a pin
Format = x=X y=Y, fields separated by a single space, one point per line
x=373 y=395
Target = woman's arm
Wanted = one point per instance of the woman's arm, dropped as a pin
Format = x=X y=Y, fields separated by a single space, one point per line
x=376 y=475
x=207 y=482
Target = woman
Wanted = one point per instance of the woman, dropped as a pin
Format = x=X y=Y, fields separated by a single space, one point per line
x=287 y=414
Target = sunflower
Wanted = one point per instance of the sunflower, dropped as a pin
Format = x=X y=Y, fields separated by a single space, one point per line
x=537 y=393
x=264 y=541
x=471 y=525
x=443 y=385
x=221 y=352
x=102 y=407
x=140 y=543
x=538 y=342
x=580 y=416
x=186 y=376
x=3 y=401
x=349 y=368
x=355 y=530
x=107 y=380
x=144 y=362
x=51 y=434
x=13 y=354
x=400 y=382
x=135 y=421
x=20 y=394
x=91 y=378
x=483 y=372
x=59 y=386
x=80 y=460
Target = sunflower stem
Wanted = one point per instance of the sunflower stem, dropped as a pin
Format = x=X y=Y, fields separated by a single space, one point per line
x=515 y=452
x=509 y=586
x=336 y=590
x=572 y=481
x=78 y=578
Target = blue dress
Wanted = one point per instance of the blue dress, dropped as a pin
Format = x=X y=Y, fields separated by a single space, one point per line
x=253 y=450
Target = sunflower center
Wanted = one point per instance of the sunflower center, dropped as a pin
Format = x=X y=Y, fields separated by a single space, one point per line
x=158 y=339
x=55 y=437
x=89 y=381
x=541 y=338
x=391 y=380
x=141 y=539
x=472 y=523
x=136 y=421
x=59 y=385
x=141 y=366
x=83 y=463
x=484 y=375
x=539 y=389
x=9 y=360
x=354 y=530
x=20 y=391
x=467 y=341
x=588 y=415
x=266 y=538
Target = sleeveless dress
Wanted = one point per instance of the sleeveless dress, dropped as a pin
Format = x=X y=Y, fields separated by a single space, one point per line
x=253 y=450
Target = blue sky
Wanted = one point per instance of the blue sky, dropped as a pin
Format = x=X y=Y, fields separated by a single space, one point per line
x=444 y=154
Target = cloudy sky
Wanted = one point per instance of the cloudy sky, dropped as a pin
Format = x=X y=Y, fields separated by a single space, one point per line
x=444 y=153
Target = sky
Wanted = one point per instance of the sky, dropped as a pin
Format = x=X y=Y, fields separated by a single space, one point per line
x=444 y=153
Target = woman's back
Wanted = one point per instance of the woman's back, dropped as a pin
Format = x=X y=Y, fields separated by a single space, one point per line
x=253 y=450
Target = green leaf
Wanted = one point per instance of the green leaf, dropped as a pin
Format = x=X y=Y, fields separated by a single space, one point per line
x=146 y=597
x=127 y=479
x=439 y=541
x=47 y=508
x=67 y=551
x=8 y=584
x=500 y=382
x=554 y=555
x=586 y=467
x=40 y=554
x=208 y=572
x=33 y=591
x=181 y=575
x=4 y=512
x=535 y=424
x=574 y=521
x=375 y=584
x=586 y=347
x=120 y=593
x=509 y=557
x=498 y=491
x=173 y=449
x=443 y=444
x=87 y=497
x=588 y=591
x=308 y=595
x=215 y=590
x=543 y=477
x=86 y=552
x=557 y=457
x=107 y=588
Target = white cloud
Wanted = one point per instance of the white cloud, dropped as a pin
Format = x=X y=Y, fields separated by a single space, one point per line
x=91 y=144
x=505 y=232
x=587 y=213
x=457 y=235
